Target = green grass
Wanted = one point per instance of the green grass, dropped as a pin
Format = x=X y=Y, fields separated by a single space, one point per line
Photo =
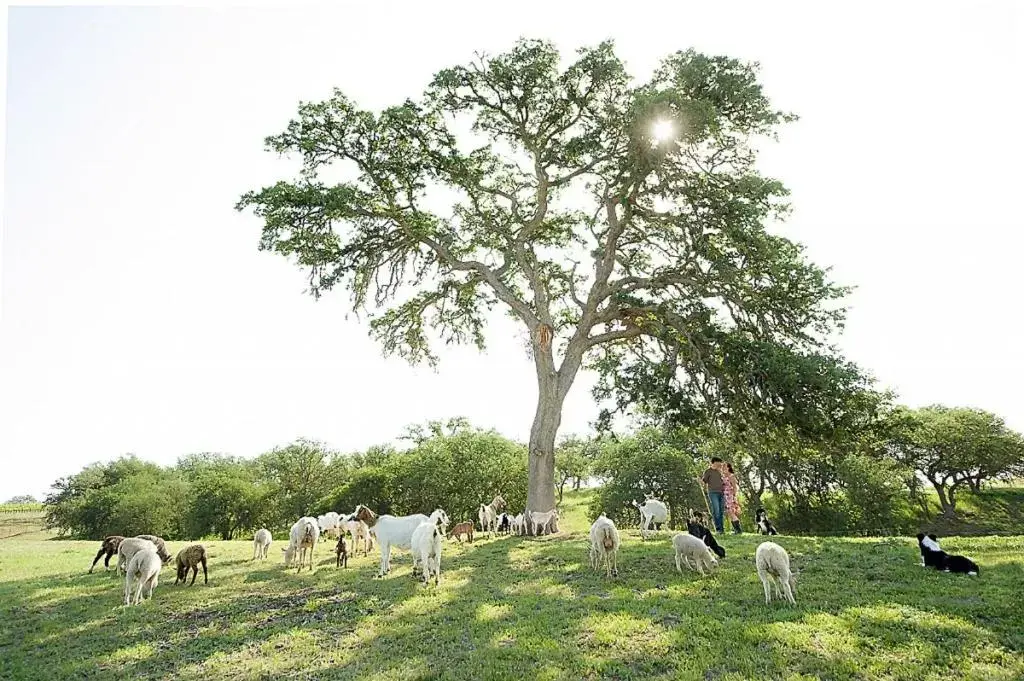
x=520 y=608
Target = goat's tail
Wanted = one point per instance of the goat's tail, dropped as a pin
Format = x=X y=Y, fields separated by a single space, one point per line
x=608 y=538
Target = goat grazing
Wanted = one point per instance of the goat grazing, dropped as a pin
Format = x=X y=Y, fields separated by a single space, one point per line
x=128 y=548
x=329 y=524
x=395 y=532
x=109 y=548
x=460 y=529
x=604 y=545
x=652 y=512
x=190 y=558
x=304 y=535
x=142 y=575
x=488 y=514
x=158 y=542
x=772 y=563
x=426 y=550
x=693 y=552
x=261 y=543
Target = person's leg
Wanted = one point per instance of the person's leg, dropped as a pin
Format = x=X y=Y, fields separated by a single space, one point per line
x=717 y=503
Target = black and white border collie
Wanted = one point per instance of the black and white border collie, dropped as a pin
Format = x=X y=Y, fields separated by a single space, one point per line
x=697 y=526
x=764 y=526
x=933 y=556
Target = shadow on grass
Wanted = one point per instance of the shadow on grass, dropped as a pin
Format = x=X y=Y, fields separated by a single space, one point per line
x=514 y=608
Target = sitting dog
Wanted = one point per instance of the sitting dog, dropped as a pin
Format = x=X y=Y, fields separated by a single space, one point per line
x=764 y=526
x=697 y=526
x=342 y=552
x=933 y=556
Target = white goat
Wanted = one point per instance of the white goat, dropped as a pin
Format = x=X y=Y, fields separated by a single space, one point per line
x=128 y=548
x=396 y=532
x=693 y=552
x=488 y=514
x=359 y=531
x=604 y=545
x=772 y=563
x=519 y=524
x=426 y=550
x=261 y=543
x=329 y=524
x=652 y=512
x=544 y=523
x=304 y=535
x=142 y=575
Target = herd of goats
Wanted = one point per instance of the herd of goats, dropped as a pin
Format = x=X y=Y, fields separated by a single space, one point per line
x=142 y=557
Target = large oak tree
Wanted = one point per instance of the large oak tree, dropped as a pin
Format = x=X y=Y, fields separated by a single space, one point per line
x=613 y=219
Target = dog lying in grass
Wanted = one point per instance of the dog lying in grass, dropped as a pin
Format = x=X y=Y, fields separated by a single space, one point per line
x=697 y=526
x=933 y=556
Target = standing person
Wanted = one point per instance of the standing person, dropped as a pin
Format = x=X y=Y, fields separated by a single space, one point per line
x=714 y=483
x=732 y=493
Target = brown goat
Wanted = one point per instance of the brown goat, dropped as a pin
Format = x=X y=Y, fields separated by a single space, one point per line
x=110 y=546
x=465 y=528
x=341 y=552
x=161 y=547
x=190 y=558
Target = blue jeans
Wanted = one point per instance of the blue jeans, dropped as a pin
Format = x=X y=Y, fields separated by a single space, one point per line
x=717 y=500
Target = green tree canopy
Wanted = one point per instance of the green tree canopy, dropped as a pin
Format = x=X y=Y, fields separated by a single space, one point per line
x=616 y=220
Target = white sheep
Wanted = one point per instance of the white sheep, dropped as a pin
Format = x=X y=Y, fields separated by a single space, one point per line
x=261 y=543
x=304 y=535
x=772 y=563
x=694 y=552
x=142 y=574
x=604 y=545
x=652 y=512
x=543 y=522
x=396 y=532
x=426 y=550
x=128 y=548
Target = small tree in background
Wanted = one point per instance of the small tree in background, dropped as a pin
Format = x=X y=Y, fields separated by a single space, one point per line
x=616 y=221
x=954 y=448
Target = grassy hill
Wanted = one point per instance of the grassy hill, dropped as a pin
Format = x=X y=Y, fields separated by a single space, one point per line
x=520 y=608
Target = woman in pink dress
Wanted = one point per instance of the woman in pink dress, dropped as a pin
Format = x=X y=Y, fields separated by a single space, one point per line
x=732 y=504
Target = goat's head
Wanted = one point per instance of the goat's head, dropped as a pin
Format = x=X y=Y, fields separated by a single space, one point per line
x=366 y=515
x=499 y=502
x=289 y=555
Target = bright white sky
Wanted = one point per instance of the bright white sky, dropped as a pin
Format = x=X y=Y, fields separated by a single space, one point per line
x=138 y=315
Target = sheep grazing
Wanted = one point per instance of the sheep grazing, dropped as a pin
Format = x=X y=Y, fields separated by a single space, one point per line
x=460 y=529
x=604 y=545
x=128 y=548
x=652 y=512
x=109 y=548
x=773 y=565
x=426 y=548
x=190 y=558
x=304 y=535
x=693 y=552
x=488 y=514
x=341 y=552
x=261 y=543
x=544 y=522
x=142 y=575
x=395 y=532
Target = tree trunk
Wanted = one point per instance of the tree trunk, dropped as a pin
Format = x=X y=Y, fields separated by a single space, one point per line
x=947 y=499
x=552 y=387
x=540 y=495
